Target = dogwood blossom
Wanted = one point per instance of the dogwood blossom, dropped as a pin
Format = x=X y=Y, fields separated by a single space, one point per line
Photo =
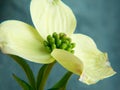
x=50 y=16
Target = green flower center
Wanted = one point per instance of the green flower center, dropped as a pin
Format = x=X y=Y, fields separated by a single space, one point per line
x=59 y=41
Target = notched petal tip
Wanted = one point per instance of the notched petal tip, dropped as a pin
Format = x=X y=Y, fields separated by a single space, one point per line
x=90 y=80
x=68 y=61
x=96 y=63
x=98 y=69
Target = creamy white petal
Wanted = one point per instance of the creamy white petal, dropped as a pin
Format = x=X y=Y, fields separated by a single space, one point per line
x=68 y=61
x=52 y=16
x=96 y=64
x=21 y=39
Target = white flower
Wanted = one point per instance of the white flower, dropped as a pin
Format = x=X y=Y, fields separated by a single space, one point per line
x=49 y=16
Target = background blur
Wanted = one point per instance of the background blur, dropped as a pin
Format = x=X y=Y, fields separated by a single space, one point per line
x=100 y=19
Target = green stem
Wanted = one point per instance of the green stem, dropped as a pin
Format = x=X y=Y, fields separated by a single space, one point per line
x=26 y=68
x=43 y=75
x=61 y=85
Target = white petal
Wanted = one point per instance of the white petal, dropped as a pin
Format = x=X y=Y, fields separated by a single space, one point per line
x=21 y=39
x=95 y=62
x=83 y=44
x=85 y=47
x=52 y=16
x=68 y=61
x=96 y=69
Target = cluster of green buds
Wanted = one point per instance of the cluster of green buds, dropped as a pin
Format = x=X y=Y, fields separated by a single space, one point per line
x=59 y=41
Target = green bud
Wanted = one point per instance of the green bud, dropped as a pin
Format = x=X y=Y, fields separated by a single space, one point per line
x=54 y=35
x=46 y=43
x=58 y=43
x=48 y=48
x=63 y=46
x=68 y=39
x=67 y=42
x=62 y=35
x=52 y=40
x=68 y=49
x=72 y=45
x=63 y=40
x=49 y=37
x=53 y=46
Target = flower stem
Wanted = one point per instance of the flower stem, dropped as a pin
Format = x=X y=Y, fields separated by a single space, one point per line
x=26 y=68
x=43 y=75
x=61 y=84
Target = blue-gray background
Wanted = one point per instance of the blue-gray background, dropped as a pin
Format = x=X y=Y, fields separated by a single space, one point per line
x=99 y=19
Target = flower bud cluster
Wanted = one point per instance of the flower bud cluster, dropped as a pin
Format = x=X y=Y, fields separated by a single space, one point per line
x=59 y=41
